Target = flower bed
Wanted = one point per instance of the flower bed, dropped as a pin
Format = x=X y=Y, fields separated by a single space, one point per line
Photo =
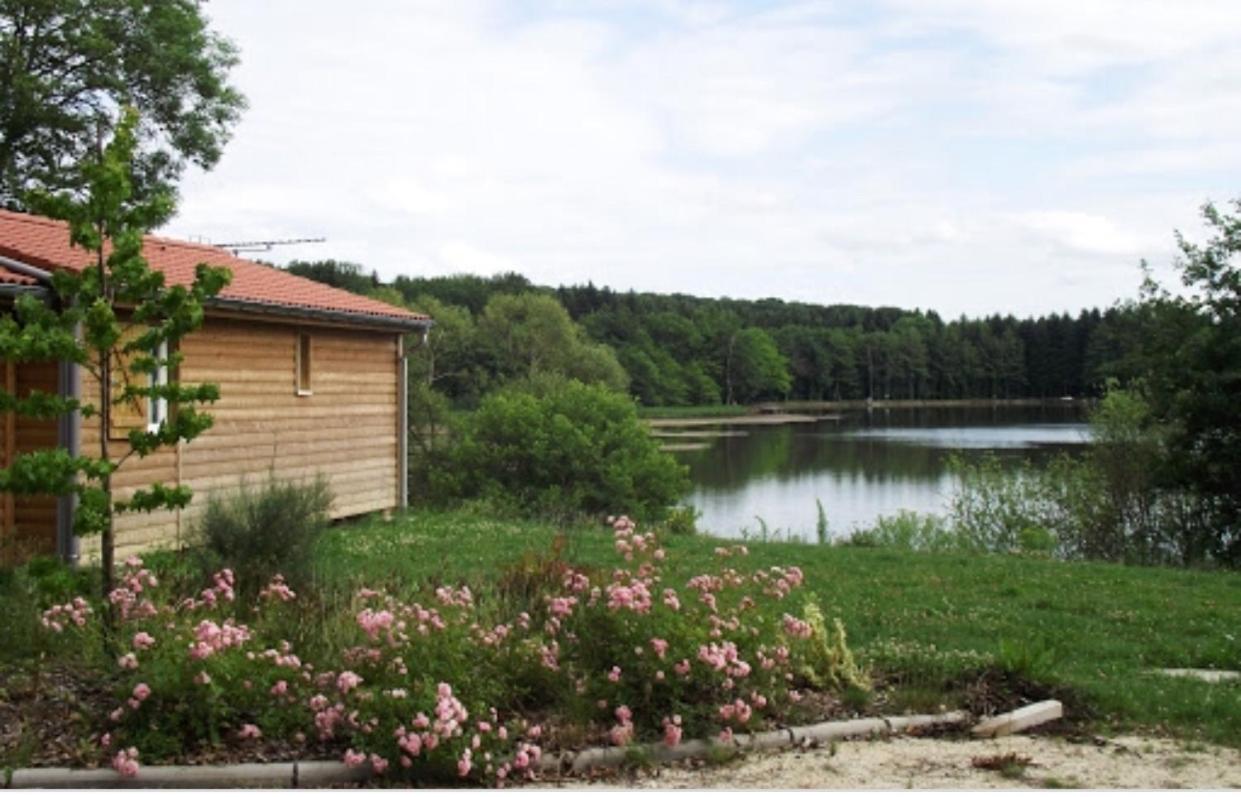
x=449 y=682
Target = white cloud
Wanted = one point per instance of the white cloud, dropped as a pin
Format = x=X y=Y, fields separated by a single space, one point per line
x=936 y=153
x=1083 y=232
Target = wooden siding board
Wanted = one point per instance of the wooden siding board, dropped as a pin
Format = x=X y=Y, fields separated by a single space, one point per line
x=343 y=431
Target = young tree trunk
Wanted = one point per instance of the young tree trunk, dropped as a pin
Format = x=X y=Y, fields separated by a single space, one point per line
x=105 y=425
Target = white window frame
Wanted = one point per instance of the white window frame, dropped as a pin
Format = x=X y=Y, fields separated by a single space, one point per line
x=157 y=407
x=303 y=390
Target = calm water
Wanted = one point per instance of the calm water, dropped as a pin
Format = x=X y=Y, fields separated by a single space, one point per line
x=861 y=466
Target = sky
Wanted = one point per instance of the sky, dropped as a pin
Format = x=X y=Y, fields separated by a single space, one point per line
x=1011 y=156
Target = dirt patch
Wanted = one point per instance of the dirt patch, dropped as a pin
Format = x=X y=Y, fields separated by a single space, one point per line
x=1125 y=762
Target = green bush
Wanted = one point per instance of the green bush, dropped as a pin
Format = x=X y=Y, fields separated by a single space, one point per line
x=682 y=521
x=559 y=447
x=908 y=530
x=24 y=592
x=258 y=531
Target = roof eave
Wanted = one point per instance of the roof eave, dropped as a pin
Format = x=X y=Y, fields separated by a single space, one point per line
x=14 y=290
x=393 y=323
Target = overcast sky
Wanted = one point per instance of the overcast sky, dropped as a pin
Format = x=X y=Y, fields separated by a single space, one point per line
x=961 y=156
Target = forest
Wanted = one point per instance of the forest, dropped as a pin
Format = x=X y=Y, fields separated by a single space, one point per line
x=677 y=350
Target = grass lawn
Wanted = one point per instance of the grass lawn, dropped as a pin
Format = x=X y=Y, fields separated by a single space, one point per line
x=1091 y=630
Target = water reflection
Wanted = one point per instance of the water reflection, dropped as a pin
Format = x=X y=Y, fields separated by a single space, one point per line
x=862 y=465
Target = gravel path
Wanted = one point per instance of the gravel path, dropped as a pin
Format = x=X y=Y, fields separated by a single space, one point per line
x=1124 y=762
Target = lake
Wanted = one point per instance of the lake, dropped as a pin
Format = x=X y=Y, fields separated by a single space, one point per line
x=861 y=466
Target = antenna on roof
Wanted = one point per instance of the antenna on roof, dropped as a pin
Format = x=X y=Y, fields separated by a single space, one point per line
x=238 y=247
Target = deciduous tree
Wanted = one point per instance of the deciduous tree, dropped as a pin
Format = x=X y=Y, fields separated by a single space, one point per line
x=68 y=66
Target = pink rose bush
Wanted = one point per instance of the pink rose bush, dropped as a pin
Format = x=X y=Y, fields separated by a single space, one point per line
x=440 y=682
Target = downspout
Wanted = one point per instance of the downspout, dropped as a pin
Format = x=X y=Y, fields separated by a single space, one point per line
x=70 y=431
x=402 y=434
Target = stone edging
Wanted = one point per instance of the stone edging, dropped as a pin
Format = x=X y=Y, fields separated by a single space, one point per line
x=310 y=774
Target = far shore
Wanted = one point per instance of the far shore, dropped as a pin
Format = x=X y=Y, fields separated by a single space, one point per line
x=774 y=413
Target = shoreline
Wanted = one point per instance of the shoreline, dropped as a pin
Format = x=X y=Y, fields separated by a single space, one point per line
x=775 y=413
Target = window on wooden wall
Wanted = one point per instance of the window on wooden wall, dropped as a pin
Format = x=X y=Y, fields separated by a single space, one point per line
x=304 y=364
x=157 y=408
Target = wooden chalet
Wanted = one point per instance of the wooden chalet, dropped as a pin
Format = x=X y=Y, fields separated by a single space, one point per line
x=312 y=381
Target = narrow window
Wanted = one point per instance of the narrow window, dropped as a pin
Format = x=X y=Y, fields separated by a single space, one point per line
x=303 y=364
x=157 y=407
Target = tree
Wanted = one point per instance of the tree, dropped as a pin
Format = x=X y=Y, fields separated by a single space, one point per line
x=129 y=324
x=554 y=445
x=1194 y=372
x=66 y=66
x=530 y=333
x=337 y=273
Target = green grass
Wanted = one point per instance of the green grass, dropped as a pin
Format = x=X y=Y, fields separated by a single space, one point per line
x=695 y=411
x=1093 y=629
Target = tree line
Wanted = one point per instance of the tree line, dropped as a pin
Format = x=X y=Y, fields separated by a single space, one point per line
x=677 y=350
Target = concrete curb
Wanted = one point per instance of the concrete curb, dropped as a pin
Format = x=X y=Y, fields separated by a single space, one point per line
x=608 y=757
x=317 y=774
x=1019 y=720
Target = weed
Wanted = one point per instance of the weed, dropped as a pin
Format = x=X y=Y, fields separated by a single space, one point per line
x=1008 y=765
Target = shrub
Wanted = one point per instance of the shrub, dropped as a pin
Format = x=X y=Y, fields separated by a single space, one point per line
x=907 y=530
x=41 y=582
x=559 y=447
x=682 y=521
x=259 y=531
x=438 y=683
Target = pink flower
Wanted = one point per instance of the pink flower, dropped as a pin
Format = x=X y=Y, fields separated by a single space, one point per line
x=125 y=762
x=620 y=735
x=378 y=764
x=280 y=687
x=202 y=679
x=249 y=731
x=347 y=681
x=142 y=640
x=623 y=714
x=726 y=736
x=672 y=733
x=128 y=662
x=614 y=675
x=464 y=764
x=352 y=759
x=660 y=646
x=142 y=692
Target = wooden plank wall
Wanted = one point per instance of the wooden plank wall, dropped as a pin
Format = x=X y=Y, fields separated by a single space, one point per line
x=347 y=430
x=27 y=523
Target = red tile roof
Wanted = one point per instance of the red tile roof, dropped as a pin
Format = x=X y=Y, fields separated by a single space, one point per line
x=10 y=277
x=44 y=243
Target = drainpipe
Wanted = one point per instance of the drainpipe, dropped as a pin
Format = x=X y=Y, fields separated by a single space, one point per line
x=402 y=435
x=70 y=434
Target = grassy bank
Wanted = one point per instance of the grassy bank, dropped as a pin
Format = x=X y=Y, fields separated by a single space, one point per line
x=1091 y=631
x=695 y=411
